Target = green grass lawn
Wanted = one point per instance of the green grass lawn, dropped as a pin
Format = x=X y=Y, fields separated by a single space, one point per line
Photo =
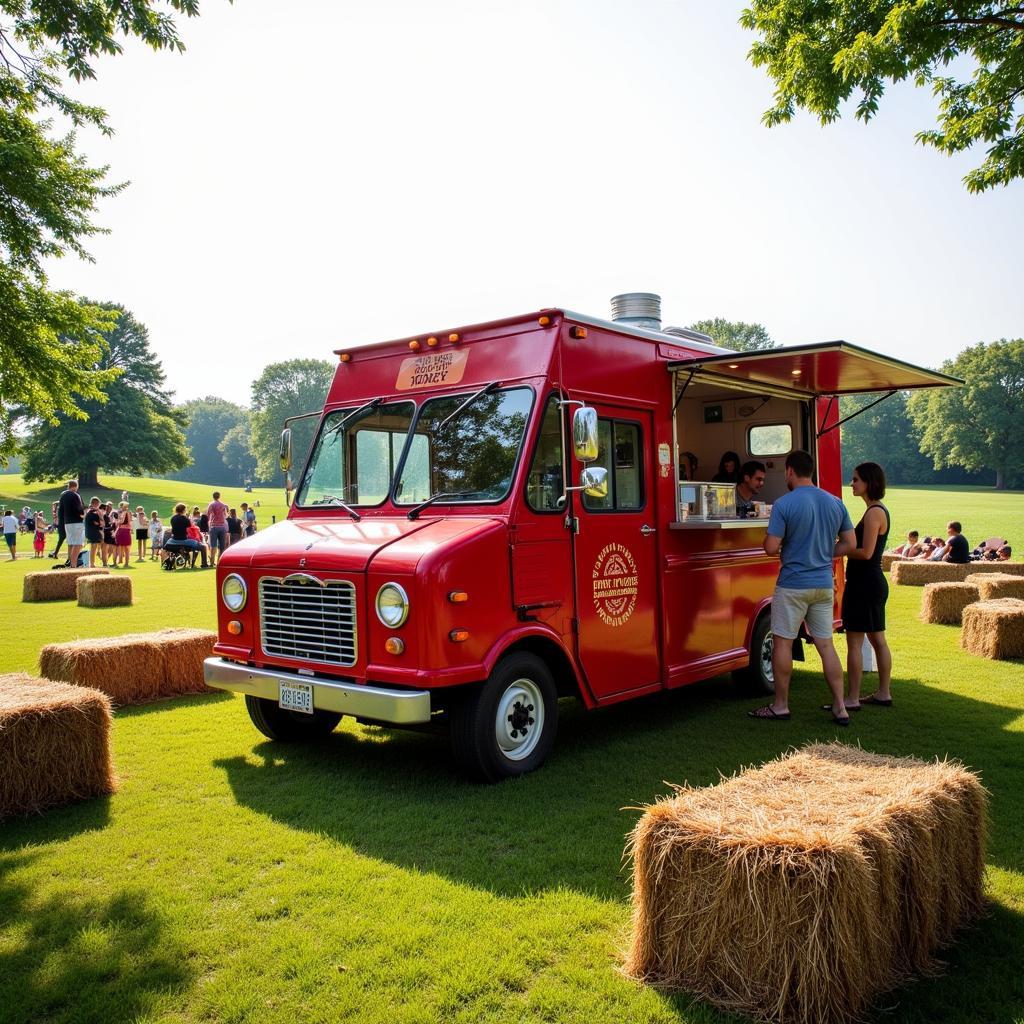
x=359 y=879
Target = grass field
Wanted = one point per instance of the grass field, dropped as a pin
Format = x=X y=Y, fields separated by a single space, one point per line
x=358 y=879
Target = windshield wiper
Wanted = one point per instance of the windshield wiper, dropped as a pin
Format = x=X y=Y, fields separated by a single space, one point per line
x=337 y=501
x=346 y=420
x=485 y=390
x=414 y=513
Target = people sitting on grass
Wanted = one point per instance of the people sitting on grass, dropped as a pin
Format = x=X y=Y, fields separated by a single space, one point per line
x=179 y=539
x=910 y=548
x=957 y=548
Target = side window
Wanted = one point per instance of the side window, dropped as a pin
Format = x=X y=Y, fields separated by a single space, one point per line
x=620 y=452
x=770 y=439
x=544 y=482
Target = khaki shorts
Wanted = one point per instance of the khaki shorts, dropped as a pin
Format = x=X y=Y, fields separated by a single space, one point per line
x=791 y=607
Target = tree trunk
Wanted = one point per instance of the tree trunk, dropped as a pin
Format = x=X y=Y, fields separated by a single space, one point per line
x=88 y=478
x=1000 y=480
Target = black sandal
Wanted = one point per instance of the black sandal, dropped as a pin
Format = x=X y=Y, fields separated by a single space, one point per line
x=768 y=713
x=873 y=698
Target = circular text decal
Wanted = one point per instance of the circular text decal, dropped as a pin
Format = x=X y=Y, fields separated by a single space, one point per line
x=615 y=584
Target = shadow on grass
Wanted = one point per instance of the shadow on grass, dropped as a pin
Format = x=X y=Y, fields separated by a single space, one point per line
x=171 y=703
x=56 y=824
x=72 y=959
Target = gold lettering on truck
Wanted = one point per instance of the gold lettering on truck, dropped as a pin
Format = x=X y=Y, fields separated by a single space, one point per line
x=615 y=584
x=432 y=369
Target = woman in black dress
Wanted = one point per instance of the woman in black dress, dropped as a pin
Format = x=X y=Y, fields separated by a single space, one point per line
x=867 y=590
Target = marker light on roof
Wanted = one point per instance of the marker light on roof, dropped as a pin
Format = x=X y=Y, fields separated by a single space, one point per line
x=415 y=344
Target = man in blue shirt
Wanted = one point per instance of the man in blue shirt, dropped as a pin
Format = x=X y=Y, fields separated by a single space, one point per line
x=802 y=530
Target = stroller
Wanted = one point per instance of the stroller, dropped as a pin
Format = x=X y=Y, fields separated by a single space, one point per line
x=176 y=557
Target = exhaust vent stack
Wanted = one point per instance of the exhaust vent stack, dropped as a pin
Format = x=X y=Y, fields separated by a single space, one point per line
x=638 y=309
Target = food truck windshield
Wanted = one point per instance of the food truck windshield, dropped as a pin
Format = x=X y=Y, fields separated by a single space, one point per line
x=463 y=445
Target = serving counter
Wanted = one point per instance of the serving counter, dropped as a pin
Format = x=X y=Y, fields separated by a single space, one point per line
x=719 y=524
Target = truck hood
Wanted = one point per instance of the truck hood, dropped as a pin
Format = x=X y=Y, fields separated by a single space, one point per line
x=343 y=545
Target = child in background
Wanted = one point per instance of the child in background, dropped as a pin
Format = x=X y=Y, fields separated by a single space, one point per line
x=156 y=535
x=39 y=539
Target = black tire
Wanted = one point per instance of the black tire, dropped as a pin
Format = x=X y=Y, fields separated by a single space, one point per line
x=490 y=750
x=276 y=723
x=757 y=678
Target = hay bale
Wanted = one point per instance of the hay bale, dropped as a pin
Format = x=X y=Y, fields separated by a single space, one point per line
x=917 y=574
x=993 y=585
x=133 y=668
x=799 y=891
x=945 y=602
x=56 y=585
x=185 y=650
x=994 y=629
x=104 y=591
x=54 y=744
x=887 y=561
x=1004 y=568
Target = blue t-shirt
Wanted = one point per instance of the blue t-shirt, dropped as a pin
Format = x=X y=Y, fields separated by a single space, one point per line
x=808 y=520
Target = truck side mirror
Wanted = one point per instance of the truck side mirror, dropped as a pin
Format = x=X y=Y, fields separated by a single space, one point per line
x=594 y=480
x=286 y=449
x=584 y=434
x=289 y=487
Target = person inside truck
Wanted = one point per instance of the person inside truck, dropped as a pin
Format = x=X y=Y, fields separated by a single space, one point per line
x=752 y=477
x=728 y=469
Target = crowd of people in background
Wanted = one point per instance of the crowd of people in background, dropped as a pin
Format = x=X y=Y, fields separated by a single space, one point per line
x=952 y=546
x=101 y=534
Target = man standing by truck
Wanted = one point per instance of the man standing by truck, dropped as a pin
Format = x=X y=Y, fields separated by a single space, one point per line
x=802 y=531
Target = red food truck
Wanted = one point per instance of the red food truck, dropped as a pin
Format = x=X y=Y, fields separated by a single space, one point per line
x=495 y=517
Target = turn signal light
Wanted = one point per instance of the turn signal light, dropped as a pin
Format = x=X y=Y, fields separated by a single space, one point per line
x=579 y=332
x=345 y=357
x=544 y=321
x=414 y=344
x=432 y=341
x=453 y=338
x=234 y=627
x=458 y=597
x=459 y=636
x=394 y=645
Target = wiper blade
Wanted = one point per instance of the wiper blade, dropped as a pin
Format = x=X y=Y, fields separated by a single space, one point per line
x=337 y=501
x=346 y=420
x=485 y=390
x=414 y=512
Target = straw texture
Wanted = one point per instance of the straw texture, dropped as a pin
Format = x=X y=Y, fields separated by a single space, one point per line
x=54 y=744
x=55 y=585
x=799 y=891
x=994 y=585
x=104 y=591
x=945 y=602
x=136 y=667
x=994 y=629
x=917 y=574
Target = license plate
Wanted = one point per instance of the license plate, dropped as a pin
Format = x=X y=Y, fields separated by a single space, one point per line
x=296 y=697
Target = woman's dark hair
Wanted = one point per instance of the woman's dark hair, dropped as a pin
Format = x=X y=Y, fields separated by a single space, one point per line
x=722 y=471
x=874 y=477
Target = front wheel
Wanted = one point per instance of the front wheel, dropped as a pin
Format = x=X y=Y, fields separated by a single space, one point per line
x=507 y=726
x=277 y=723
x=758 y=677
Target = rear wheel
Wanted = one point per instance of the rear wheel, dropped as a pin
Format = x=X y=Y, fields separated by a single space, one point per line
x=277 y=723
x=507 y=726
x=758 y=677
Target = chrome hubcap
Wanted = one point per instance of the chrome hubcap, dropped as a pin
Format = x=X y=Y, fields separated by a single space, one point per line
x=766 y=658
x=519 y=721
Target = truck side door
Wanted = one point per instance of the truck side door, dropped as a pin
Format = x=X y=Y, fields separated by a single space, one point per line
x=616 y=560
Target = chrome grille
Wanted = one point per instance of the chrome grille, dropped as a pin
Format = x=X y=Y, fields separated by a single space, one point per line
x=307 y=619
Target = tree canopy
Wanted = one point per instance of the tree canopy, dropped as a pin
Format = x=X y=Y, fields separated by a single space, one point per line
x=136 y=430
x=208 y=421
x=50 y=340
x=735 y=334
x=237 y=454
x=979 y=425
x=820 y=54
x=285 y=389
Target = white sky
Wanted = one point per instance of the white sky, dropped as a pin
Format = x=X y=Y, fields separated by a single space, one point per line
x=317 y=174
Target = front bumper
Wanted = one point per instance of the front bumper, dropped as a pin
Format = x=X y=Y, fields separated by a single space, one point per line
x=376 y=703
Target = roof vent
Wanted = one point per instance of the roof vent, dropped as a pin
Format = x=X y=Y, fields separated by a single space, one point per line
x=638 y=309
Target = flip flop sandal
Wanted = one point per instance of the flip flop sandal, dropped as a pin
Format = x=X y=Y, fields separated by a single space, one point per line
x=876 y=701
x=769 y=714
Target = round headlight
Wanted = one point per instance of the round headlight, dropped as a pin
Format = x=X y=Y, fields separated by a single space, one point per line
x=234 y=592
x=392 y=605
